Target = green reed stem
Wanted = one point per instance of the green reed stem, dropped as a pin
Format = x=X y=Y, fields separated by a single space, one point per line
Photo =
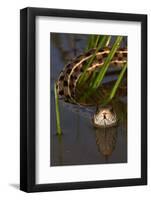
x=120 y=77
x=82 y=77
x=108 y=41
x=104 y=68
x=90 y=42
x=96 y=80
x=96 y=41
x=59 y=132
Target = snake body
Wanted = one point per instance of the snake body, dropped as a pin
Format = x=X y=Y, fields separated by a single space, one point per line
x=68 y=77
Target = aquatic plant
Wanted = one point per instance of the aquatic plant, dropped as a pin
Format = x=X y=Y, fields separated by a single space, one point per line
x=59 y=132
x=99 y=42
x=115 y=87
x=97 y=77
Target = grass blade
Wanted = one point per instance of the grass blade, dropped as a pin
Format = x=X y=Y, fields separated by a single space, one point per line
x=59 y=132
x=96 y=41
x=108 y=41
x=96 y=81
x=90 y=42
x=82 y=78
x=114 y=89
x=103 y=70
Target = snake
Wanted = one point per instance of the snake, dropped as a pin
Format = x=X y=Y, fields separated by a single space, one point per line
x=68 y=77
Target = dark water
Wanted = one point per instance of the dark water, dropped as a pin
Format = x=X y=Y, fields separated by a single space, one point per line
x=80 y=142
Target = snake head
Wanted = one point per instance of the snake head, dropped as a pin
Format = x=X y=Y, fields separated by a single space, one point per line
x=104 y=117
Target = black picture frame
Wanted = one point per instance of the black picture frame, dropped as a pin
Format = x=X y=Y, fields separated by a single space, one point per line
x=28 y=98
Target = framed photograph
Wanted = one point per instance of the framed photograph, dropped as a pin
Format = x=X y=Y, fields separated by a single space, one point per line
x=83 y=99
